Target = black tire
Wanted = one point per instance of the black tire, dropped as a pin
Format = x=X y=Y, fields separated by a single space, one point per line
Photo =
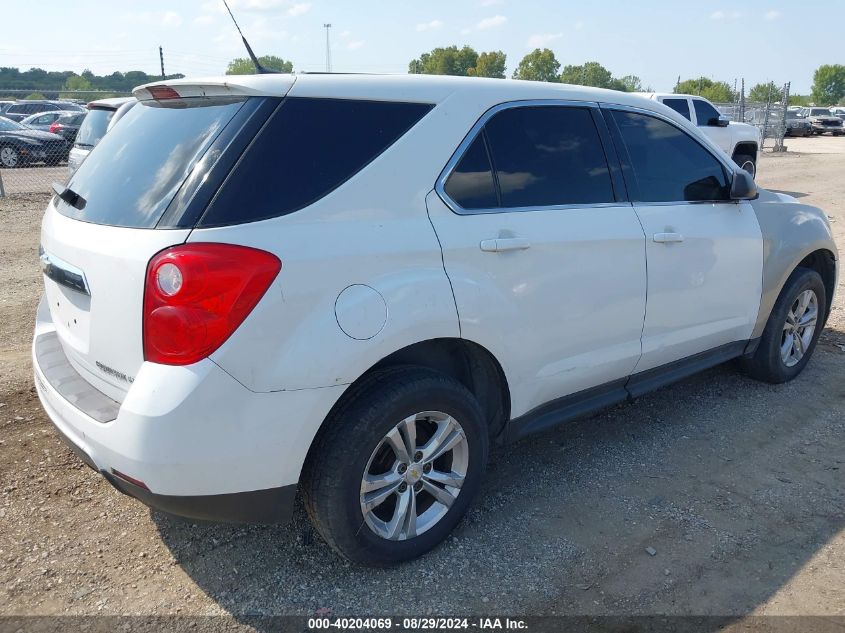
x=743 y=160
x=767 y=364
x=332 y=476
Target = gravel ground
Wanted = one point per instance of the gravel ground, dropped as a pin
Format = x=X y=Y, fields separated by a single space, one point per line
x=719 y=495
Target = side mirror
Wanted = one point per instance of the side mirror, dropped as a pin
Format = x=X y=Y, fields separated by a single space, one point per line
x=743 y=186
x=719 y=121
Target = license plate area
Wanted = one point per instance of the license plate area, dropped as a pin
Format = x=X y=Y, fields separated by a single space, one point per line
x=71 y=314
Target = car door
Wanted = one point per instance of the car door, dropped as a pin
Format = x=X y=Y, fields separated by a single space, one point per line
x=704 y=251
x=545 y=256
x=704 y=113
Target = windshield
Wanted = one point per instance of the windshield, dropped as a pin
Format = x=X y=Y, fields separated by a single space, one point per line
x=819 y=112
x=7 y=125
x=132 y=175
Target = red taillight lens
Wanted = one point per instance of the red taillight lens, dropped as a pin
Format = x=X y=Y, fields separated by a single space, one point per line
x=196 y=295
x=55 y=126
x=163 y=92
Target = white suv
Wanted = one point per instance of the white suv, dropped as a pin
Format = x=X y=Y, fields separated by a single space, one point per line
x=740 y=141
x=353 y=285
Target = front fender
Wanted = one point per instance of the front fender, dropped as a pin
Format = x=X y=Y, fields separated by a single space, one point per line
x=791 y=231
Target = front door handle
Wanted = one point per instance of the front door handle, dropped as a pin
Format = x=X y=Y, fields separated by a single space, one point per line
x=668 y=238
x=501 y=244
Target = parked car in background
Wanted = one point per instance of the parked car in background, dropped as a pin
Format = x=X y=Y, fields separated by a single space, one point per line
x=238 y=305
x=97 y=121
x=67 y=126
x=22 y=109
x=5 y=105
x=740 y=141
x=824 y=121
x=43 y=120
x=797 y=124
x=21 y=146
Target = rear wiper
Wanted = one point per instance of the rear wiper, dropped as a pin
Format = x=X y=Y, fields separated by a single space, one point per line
x=69 y=195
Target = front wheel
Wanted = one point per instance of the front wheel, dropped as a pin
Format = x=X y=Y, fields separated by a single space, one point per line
x=792 y=330
x=9 y=157
x=396 y=465
x=747 y=163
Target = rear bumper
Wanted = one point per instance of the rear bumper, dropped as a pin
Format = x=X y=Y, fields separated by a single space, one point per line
x=203 y=445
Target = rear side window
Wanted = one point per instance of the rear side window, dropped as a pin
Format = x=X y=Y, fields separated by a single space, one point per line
x=471 y=183
x=308 y=148
x=681 y=106
x=704 y=112
x=94 y=126
x=669 y=165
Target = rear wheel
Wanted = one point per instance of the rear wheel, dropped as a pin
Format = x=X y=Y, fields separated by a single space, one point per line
x=9 y=157
x=792 y=330
x=747 y=163
x=396 y=466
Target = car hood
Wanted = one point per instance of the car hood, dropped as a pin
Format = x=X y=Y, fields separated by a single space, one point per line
x=35 y=135
x=825 y=118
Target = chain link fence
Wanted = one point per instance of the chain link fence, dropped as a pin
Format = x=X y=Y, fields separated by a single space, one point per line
x=36 y=136
x=770 y=116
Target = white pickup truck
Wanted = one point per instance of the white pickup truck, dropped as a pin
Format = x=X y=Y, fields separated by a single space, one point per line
x=740 y=141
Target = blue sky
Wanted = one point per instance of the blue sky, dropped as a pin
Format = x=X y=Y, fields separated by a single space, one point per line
x=760 y=40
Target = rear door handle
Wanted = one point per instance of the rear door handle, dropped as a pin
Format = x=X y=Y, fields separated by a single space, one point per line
x=668 y=238
x=501 y=244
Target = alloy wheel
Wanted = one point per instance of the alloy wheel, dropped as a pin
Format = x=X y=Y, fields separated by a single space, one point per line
x=799 y=328
x=9 y=157
x=414 y=475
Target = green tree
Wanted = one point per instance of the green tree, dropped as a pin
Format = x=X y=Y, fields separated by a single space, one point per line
x=34 y=95
x=717 y=91
x=760 y=93
x=75 y=88
x=446 y=61
x=800 y=100
x=490 y=64
x=244 y=65
x=588 y=74
x=629 y=83
x=828 y=84
x=538 y=65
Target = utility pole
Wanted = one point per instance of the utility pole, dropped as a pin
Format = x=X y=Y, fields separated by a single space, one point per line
x=161 y=57
x=327 y=26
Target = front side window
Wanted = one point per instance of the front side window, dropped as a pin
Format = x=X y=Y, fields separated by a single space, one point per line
x=669 y=165
x=681 y=106
x=704 y=112
x=546 y=156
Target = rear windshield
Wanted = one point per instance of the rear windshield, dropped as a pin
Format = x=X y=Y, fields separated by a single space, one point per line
x=276 y=157
x=93 y=127
x=135 y=171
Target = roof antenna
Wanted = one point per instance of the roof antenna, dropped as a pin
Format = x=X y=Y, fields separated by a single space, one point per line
x=258 y=67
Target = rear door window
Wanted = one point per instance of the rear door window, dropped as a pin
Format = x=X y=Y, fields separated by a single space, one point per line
x=548 y=156
x=308 y=148
x=681 y=106
x=471 y=183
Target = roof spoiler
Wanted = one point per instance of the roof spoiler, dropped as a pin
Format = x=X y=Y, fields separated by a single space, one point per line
x=229 y=86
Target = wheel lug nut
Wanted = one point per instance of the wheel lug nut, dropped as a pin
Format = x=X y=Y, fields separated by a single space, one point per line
x=418 y=486
x=427 y=468
x=403 y=487
x=402 y=468
x=417 y=456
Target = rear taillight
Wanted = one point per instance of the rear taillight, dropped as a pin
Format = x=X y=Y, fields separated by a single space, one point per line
x=196 y=295
x=55 y=126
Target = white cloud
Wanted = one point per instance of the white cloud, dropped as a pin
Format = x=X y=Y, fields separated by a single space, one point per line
x=774 y=14
x=721 y=15
x=299 y=8
x=490 y=3
x=542 y=40
x=171 y=18
x=579 y=25
x=355 y=45
x=203 y=20
x=491 y=23
x=429 y=26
